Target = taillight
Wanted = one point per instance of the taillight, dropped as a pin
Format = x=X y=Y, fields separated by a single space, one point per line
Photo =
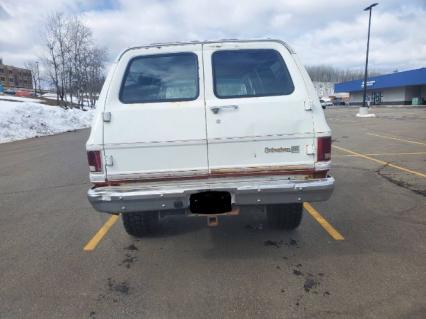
x=95 y=162
x=324 y=149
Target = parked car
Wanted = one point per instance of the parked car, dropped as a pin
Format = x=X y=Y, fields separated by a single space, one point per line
x=339 y=101
x=324 y=103
x=207 y=128
x=10 y=91
x=24 y=93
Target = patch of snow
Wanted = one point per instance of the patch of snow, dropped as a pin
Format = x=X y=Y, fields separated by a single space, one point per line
x=22 y=120
x=52 y=96
x=19 y=98
x=49 y=96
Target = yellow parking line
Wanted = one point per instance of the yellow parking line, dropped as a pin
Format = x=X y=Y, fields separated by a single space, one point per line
x=323 y=222
x=397 y=139
x=91 y=245
x=382 y=154
x=380 y=162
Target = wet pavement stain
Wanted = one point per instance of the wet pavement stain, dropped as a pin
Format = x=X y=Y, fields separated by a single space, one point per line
x=298 y=300
x=254 y=227
x=121 y=288
x=273 y=243
x=279 y=243
x=130 y=258
x=293 y=242
x=128 y=261
x=131 y=247
x=297 y=272
x=310 y=283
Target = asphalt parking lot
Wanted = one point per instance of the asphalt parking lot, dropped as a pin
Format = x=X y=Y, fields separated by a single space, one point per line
x=241 y=269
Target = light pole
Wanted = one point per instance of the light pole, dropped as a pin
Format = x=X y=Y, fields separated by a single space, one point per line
x=363 y=110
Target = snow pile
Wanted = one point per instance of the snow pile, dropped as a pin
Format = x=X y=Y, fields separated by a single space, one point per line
x=21 y=120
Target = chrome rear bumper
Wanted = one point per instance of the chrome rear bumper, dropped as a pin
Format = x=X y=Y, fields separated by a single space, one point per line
x=165 y=196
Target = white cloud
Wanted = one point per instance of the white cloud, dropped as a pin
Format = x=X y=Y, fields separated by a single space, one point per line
x=323 y=32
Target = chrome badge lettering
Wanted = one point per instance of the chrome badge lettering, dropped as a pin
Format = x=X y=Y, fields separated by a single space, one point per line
x=292 y=149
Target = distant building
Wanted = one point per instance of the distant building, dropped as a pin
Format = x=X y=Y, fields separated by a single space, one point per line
x=407 y=87
x=14 y=77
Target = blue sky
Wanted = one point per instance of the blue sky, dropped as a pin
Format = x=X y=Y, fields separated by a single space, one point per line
x=97 y=5
x=331 y=32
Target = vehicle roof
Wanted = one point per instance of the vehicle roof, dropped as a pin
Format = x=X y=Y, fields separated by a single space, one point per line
x=285 y=44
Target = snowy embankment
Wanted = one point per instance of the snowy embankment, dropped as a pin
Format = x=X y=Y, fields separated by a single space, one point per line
x=53 y=97
x=27 y=119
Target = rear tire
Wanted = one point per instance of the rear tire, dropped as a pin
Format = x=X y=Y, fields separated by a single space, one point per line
x=284 y=216
x=140 y=224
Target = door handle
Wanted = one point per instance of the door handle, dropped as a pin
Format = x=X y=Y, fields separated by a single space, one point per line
x=216 y=109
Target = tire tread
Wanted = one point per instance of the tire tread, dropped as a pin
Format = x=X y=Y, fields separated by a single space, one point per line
x=285 y=216
x=140 y=224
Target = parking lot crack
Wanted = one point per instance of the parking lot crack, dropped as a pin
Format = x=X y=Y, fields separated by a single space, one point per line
x=399 y=183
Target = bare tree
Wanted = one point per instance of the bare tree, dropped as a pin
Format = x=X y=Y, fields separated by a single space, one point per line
x=55 y=38
x=94 y=66
x=326 y=73
x=74 y=64
x=33 y=66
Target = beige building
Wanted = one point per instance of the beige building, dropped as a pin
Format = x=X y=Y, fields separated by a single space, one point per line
x=14 y=77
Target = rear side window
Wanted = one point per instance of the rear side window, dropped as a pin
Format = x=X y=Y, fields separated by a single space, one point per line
x=250 y=73
x=161 y=78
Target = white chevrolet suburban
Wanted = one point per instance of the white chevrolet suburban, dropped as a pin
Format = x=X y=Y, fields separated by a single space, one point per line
x=206 y=128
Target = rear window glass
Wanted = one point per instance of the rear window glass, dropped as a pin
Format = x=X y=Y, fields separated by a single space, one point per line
x=250 y=73
x=160 y=78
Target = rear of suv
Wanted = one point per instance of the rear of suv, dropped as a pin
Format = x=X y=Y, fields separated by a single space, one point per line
x=206 y=128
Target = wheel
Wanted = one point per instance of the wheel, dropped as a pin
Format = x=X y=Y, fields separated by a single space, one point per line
x=141 y=223
x=285 y=216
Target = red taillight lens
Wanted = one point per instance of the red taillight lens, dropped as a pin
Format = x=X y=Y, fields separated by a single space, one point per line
x=95 y=162
x=324 y=149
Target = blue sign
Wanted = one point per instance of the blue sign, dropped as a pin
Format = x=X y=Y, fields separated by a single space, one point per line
x=397 y=79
